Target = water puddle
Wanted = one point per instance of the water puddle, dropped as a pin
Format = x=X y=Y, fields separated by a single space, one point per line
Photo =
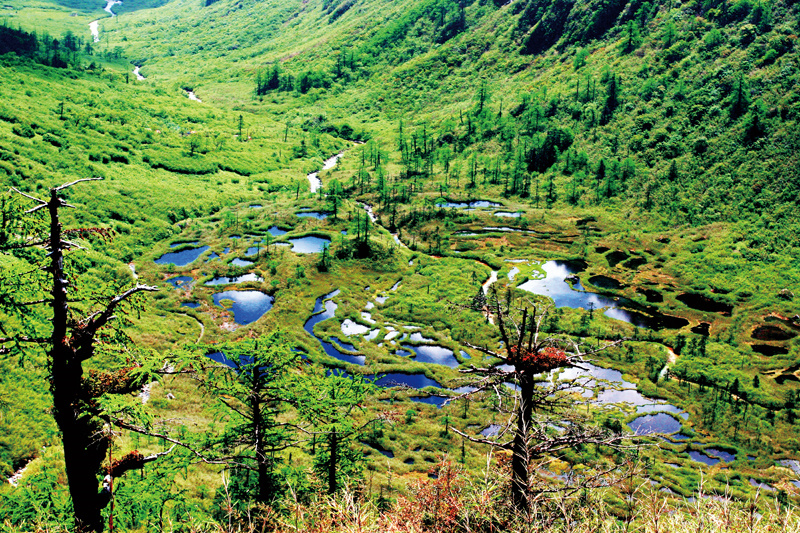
x=476 y=204
x=181 y=282
x=181 y=258
x=554 y=285
x=492 y=431
x=312 y=214
x=700 y=457
x=351 y=328
x=658 y=423
x=309 y=245
x=325 y=308
x=238 y=279
x=438 y=401
x=399 y=379
x=275 y=231
x=437 y=355
x=248 y=306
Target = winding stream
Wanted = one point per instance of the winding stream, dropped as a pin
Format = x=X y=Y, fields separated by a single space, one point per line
x=94 y=26
x=313 y=180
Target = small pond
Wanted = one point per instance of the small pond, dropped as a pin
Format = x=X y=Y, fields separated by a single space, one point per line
x=181 y=282
x=726 y=457
x=704 y=303
x=275 y=231
x=658 y=423
x=398 y=379
x=507 y=214
x=325 y=308
x=241 y=262
x=190 y=305
x=476 y=204
x=700 y=457
x=308 y=245
x=248 y=306
x=176 y=244
x=437 y=355
x=351 y=328
x=492 y=431
x=256 y=206
x=438 y=401
x=313 y=214
x=238 y=279
x=554 y=285
x=181 y=258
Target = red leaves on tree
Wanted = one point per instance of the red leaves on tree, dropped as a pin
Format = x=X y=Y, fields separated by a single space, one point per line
x=537 y=361
x=131 y=461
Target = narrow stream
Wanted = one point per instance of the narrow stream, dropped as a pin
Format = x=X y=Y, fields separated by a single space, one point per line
x=94 y=26
x=313 y=180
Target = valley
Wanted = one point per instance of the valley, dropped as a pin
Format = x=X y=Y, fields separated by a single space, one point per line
x=383 y=185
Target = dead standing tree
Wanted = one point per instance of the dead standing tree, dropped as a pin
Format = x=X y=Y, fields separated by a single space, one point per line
x=528 y=354
x=85 y=429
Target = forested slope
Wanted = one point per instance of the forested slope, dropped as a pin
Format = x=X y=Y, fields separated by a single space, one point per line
x=655 y=142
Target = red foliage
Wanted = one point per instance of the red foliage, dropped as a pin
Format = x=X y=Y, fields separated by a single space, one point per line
x=131 y=461
x=537 y=361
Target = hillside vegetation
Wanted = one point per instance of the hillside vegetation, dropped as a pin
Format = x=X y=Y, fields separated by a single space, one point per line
x=655 y=143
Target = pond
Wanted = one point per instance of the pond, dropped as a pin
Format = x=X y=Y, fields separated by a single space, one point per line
x=704 y=303
x=614 y=389
x=313 y=214
x=309 y=245
x=554 y=285
x=438 y=401
x=256 y=206
x=700 y=457
x=190 y=305
x=181 y=258
x=181 y=282
x=248 y=306
x=437 y=355
x=275 y=231
x=475 y=204
x=658 y=423
x=238 y=279
x=241 y=262
x=351 y=328
x=325 y=308
x=507 y=214
x=418 y=337
x=399 y=379
x=726 y=457
x=492 y=430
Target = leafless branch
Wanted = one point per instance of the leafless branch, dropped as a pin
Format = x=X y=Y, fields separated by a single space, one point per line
x=70 y=184
x=42 y=202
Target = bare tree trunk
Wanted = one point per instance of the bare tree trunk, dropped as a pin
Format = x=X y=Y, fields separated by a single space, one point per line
x=84 y=450
x=519 y=459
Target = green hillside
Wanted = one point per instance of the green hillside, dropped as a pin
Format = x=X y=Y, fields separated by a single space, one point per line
x=653 y=144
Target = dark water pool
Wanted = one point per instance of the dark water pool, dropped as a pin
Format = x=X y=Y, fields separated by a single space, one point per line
x=658 y=423
x=181 y=258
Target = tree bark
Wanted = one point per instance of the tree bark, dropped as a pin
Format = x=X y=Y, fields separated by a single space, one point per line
x=520 y=452
x=84 y=451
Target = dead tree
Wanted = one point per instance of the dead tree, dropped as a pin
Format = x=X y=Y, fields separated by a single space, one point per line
x=528 y=354
x=85 y=429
